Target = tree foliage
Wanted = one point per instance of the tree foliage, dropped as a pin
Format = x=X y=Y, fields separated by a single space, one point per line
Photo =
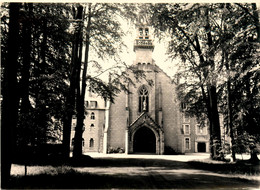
x=218 y=46
x=193 y=39
x=102 y=36
x=43 y=55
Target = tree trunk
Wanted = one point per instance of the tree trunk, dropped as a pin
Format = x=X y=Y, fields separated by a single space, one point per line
x=23 y=118
x=230 y=120
x=253 y=155
x=77 y=149
x=77 y=152
x=206 y=100
x=214 y=112
x=25 y=73
x=10 y=99
x=70 y=100
x=212 y=91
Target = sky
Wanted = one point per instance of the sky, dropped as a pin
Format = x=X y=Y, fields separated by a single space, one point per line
x=128 y=56
x=159 y=53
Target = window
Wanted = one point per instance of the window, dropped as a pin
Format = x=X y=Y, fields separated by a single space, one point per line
x=92 y=125
x=91 y=143
x=93 y=104
x=74 y=126
x=187 y=143
x=87 y=104
x=143 y=99
x=201 y=130
x=183 y=106
x=72 y=142
x=92 y=116
x=89 y=92
x=83 y=142
x=146 y=33
x=141 y=31
x=186 y=118
x=105 y=102
x=186 y=128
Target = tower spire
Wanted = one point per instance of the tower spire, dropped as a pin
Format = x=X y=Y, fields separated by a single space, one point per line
x=143 y=44
x=143 y=34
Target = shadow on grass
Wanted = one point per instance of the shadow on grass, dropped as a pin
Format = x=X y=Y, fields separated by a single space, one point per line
x=87 y=161
x=165 y=174
x=53 y=160
x=240 y=167
x=72 y=179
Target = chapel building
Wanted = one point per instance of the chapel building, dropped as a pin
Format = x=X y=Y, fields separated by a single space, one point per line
x=146 y=120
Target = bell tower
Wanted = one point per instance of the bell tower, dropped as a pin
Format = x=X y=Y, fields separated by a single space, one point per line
x=143 y=44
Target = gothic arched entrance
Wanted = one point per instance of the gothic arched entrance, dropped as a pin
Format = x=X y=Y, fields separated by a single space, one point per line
x=144 y=141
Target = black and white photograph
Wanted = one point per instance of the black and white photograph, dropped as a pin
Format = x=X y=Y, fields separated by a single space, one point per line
x=130 y=95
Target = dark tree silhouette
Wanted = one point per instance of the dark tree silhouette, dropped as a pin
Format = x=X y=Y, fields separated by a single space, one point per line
x=10 y=99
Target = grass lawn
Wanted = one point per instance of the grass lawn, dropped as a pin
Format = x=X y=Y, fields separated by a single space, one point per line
x=241 y=168
x=54 y=174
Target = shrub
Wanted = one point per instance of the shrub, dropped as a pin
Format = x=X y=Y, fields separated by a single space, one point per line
x=117 y=150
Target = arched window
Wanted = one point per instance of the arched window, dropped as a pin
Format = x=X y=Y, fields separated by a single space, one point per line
x=91 y=143
x=92 y=116
x=92 y=125
x=143 y=99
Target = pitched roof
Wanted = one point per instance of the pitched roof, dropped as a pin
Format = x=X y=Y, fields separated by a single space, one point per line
x=146 y=117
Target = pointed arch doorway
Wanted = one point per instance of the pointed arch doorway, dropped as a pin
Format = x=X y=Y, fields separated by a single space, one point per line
x=144 y=141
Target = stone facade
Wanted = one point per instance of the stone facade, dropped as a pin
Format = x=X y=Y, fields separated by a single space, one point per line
x=148 y=119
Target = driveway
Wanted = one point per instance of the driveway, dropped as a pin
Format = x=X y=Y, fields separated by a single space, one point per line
x=118 y=171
